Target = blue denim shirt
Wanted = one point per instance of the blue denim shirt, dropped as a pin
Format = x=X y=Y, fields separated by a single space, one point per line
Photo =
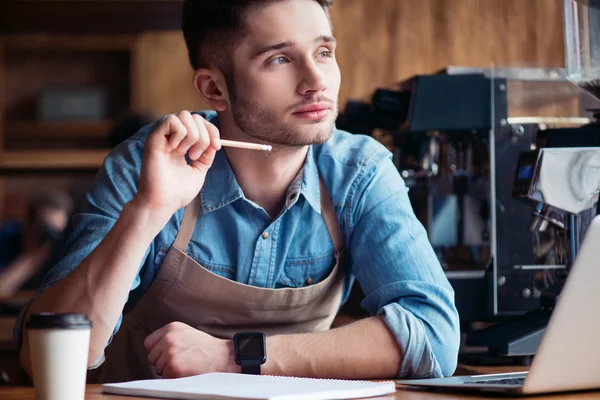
x=390 y=254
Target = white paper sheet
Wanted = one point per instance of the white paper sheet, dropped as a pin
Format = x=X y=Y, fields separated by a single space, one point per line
x=238 y=386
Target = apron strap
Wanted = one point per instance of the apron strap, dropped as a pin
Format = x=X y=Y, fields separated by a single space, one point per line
x=187 y=224
x=330 y=218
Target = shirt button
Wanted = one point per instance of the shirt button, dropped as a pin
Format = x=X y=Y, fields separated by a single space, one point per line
x=309 y=281
x=265 y=235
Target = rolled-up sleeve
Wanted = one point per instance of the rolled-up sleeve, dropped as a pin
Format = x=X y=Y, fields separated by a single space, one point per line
x=114 y=186
x=399 y=273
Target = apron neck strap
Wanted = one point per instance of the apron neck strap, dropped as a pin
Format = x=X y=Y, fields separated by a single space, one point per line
x=193 y=209
x=187 y=224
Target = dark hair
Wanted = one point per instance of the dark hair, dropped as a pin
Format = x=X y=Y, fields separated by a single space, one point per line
x=212 y=27
x=52 y=199
x=128 y=125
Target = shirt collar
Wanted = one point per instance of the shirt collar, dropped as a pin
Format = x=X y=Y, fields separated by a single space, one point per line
x=311 y=189
x=221 y=187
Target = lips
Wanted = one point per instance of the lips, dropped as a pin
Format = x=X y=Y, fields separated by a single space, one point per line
x=316 y=111
x=316 y=107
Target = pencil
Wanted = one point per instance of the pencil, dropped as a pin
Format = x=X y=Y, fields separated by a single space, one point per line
x=244 y=145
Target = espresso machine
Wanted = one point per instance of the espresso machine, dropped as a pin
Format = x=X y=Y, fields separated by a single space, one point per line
x=561 y=186
x=559 y=179
x=460 y=135
x=503 y=170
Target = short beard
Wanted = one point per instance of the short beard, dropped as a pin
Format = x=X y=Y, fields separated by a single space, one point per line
x=264 y=126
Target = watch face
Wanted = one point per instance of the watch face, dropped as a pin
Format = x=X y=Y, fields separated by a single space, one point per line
x=250 y=346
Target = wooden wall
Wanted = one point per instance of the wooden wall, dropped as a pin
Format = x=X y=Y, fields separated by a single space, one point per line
x=384 y=41
x=380 y=41
x=162 y=75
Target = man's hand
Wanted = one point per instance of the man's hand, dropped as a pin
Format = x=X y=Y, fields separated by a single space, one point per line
x=177 y=350
x=167 y=181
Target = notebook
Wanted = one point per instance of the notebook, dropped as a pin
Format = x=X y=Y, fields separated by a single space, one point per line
x=239 y=386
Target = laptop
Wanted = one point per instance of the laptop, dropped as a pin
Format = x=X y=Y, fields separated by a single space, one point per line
x=568 y=357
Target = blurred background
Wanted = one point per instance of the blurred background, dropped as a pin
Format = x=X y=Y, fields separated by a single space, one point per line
x=71 y=70
x=77 y=77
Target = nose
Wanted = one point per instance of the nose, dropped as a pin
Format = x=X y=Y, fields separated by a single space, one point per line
x=312 y=80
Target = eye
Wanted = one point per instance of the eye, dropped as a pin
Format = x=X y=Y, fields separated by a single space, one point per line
x=278 y=61
x=326 y=53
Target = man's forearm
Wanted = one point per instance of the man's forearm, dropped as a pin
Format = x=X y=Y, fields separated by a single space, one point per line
x=365 y=349
x=99 y=286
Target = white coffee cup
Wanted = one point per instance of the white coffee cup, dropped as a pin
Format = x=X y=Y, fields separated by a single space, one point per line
x=58 y=346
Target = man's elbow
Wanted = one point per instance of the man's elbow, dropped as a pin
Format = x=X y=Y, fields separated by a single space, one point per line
x=447 y=353
x=95 y=356
x=448 y=363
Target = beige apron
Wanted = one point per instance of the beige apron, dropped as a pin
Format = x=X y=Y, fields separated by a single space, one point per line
x=184 y=291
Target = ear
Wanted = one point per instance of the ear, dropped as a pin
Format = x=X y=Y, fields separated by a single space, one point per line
x=210 y=83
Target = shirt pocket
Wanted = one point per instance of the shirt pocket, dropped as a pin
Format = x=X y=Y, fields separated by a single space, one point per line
x=306 y=271
x=224 y=271
x=218 y=269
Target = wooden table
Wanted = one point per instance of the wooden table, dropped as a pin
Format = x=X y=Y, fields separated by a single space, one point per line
x=94 y=392
x=10 y=371
x=9 y=358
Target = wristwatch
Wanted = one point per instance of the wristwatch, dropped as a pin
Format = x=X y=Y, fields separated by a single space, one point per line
x=250 y=349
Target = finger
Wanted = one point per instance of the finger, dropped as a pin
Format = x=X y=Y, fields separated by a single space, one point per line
x=203 y=139
x=161 y=363
x=169 y=372
x=207 y=158
x=174 y=370
x=175 y=130
x=192 y=132
x=197 y=150
x=156 y=351
x=205 y=161
x=215 y=135
x=153 y=338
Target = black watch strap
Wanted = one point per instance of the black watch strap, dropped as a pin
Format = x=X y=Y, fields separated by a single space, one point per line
x=251 y=367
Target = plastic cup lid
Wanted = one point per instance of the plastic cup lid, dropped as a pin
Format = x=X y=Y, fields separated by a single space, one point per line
x=59 y=321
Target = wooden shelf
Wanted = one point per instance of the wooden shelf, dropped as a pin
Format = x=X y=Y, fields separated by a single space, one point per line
x=69 y=42
x=52 y=160
x=56 y=130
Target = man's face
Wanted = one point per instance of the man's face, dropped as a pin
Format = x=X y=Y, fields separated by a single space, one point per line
x=285 y=77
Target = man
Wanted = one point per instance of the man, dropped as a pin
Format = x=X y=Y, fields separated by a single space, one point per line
x=194 y=250
x=29 y=249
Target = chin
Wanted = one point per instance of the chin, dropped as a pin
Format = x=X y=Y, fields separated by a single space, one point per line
x=315 y=127
x=319 y=136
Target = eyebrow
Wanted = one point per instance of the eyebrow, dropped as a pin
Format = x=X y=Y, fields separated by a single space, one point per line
x=289 y=43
